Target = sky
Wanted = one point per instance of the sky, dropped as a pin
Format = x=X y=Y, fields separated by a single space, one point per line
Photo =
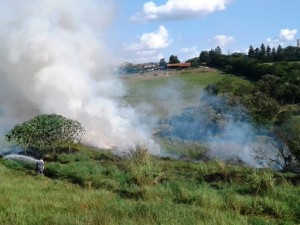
x=146 y=31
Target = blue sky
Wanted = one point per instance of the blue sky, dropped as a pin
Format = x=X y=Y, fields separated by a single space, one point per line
x=145 y=31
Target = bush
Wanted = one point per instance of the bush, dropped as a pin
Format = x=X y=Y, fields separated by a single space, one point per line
x=261 y=183
x=143 y=168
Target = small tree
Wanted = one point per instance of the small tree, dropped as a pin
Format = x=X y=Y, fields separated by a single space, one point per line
x=251 y=53
x=46 y=132
x=174 y=59
x=162 y=63
x=204 y=57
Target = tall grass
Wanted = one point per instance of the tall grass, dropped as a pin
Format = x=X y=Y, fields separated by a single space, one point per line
x=100 y=188
x=189 y=150
x=144 y=169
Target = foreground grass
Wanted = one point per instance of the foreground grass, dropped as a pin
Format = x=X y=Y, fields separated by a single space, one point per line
x=88 y=187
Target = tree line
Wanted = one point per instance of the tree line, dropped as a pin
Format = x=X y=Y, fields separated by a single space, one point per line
x=275 y=71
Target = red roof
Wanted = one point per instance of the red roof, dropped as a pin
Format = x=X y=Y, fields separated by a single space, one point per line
x=179 y=64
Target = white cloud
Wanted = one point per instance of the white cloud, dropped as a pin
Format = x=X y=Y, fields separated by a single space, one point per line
x=274 y=42
x=156 y=40
x=147 y=46
x=179 y=9
x=189 y=53
x=287 y=34
x=143 y=56
x=150 y=41
x=222 y=40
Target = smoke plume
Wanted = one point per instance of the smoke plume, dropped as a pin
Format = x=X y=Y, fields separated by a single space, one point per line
x=53 y=60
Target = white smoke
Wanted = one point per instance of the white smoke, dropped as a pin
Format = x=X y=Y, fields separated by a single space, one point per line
x=52 y=60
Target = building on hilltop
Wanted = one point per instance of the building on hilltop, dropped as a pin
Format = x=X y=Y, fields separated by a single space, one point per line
x=178 y=65
x=298 y=43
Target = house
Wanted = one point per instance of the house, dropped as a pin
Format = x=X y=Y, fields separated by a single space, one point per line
x=178 y=65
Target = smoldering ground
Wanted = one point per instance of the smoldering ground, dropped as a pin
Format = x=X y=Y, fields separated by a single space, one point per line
x=225 y=126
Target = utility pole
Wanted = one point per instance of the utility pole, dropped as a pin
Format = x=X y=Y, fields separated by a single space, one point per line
x=163 y=108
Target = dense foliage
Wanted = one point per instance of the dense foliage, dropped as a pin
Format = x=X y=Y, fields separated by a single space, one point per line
x=277 y=72
x=46 y=132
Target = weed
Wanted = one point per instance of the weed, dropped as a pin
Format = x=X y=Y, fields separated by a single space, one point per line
x=261 y=183
x=189 y=150
x=144 y=169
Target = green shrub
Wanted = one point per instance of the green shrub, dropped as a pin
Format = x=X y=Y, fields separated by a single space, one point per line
x=144 y=169
x=261 y=183
x=52 y=170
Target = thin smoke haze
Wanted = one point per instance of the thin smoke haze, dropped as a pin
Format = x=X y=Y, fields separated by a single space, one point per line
x=53 y=60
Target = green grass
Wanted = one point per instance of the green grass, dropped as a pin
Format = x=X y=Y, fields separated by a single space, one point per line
x=201 y=78
x=88 y=187
x=180 y=79
x=177 y=90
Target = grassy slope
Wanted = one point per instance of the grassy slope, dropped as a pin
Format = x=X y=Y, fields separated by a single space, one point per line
x=98 y=188
x=189 y=79
x=178 y=89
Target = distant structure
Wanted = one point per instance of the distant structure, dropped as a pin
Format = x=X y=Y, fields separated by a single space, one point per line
x=178 y=65
x=298 y=43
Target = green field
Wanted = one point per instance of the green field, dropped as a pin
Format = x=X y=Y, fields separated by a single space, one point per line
x=185 y=80
x=176 y=89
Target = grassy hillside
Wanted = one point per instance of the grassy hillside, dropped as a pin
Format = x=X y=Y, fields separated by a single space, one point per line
x=175 y=89
x=96 y=187
x=92 y=186
x=184 y=81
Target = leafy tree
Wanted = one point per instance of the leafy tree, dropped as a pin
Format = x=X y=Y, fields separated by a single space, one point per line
x=194 y=62
x=218 y=50
x=270 y=85
x=22 y=135
x=46 y=132
x=216 y=58
x=204 y=57
x=162 y=63
x=291 y=53
x=262 y=108
x=174 y=59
